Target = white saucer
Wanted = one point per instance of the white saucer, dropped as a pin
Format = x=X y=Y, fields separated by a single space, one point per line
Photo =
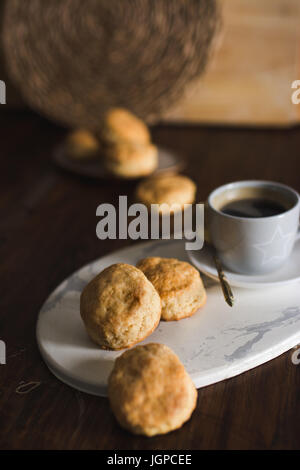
x=288 y=274
x=216 y=343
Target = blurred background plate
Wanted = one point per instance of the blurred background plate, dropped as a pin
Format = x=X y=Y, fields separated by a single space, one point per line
x=168 y=161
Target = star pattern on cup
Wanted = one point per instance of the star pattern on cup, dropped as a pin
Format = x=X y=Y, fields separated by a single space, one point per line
x=267 y=248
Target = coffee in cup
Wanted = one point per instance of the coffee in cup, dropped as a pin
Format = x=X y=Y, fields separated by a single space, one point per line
x=253 y=225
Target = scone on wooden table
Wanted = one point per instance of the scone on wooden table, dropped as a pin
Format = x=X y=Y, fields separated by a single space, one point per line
x=169 y=191
x=131 y=160
x=81 y=144
x=178 y=283
x=150 y=391
x=119 y=124
x=120 y=307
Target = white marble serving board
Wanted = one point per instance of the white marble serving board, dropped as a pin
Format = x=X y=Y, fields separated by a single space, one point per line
x=216 y=343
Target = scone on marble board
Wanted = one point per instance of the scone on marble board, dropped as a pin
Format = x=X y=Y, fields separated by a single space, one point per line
x=120 y=307
x=178 y=283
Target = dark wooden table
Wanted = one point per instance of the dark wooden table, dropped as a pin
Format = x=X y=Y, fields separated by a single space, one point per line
x=47 y=220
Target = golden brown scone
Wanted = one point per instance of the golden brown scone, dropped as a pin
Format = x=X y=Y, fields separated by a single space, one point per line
x=120 y=307
x=168 y=190
x=178 y=283
x=128 y=160
x=150 y=391
x=121 y=124
x=81 y=144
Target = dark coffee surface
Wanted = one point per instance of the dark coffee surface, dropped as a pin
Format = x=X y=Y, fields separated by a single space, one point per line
x=253 y=207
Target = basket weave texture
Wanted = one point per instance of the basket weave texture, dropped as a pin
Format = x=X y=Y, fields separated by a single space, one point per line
x=73 y=59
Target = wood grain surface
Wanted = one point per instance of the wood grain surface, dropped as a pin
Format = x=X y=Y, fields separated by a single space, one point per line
x=47 y=230
x=255 y=62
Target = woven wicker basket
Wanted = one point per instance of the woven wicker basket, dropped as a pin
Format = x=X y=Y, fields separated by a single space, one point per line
x=72 y=59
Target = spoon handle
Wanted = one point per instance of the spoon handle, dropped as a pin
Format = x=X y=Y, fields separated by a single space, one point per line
x=228 y=295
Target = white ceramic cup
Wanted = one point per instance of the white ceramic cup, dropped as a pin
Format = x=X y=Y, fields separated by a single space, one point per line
x=256 y=245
